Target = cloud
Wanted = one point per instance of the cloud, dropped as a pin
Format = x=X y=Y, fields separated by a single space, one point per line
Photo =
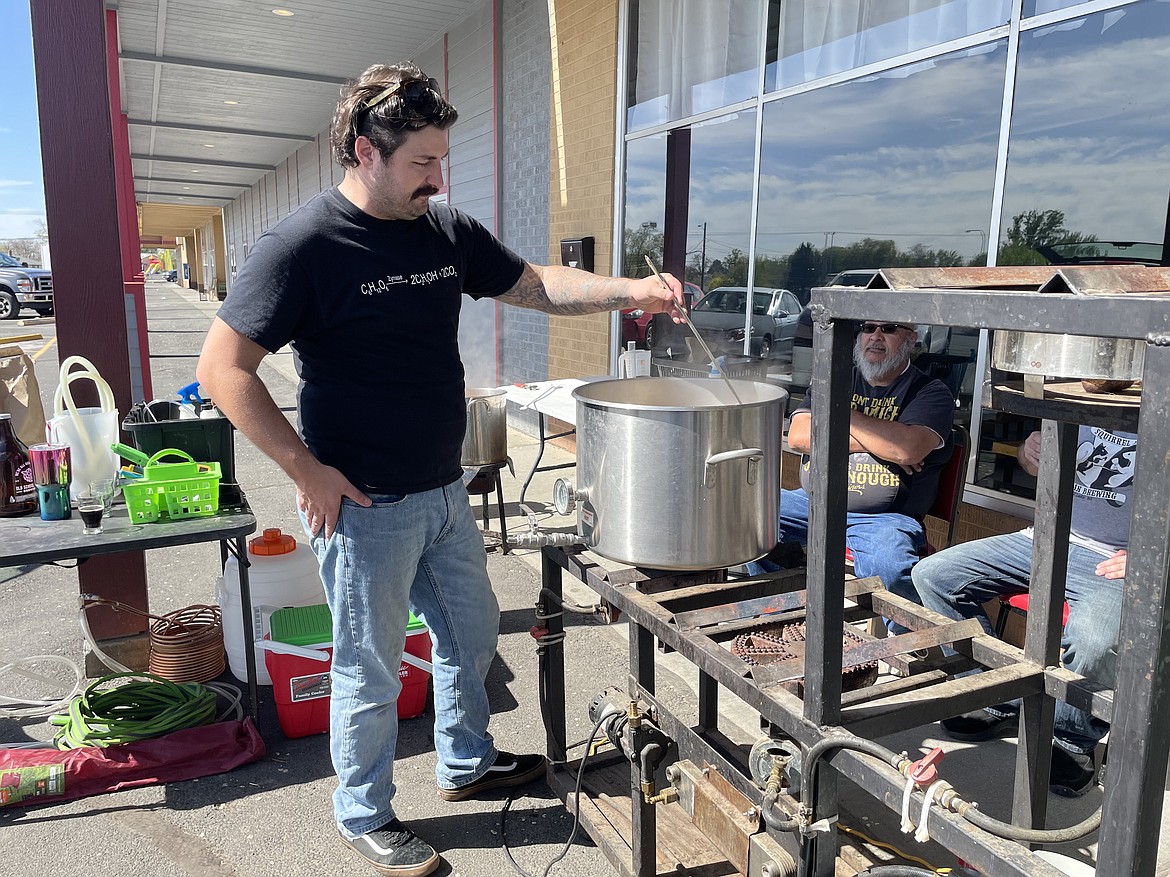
x=20 y=223
x=12 y=184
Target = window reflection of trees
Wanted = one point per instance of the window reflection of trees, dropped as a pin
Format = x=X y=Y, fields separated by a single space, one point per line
x=1087 y=162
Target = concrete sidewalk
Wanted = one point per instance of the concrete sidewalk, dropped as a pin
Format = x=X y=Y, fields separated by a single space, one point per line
x=274 y=816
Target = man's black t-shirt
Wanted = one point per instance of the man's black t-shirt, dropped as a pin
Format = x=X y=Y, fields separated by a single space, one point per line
x=370 y=308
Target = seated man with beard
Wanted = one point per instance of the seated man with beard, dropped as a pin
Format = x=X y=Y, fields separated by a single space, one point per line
x=899 y=441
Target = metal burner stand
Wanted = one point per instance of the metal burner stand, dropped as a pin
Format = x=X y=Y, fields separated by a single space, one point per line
x=692 y=615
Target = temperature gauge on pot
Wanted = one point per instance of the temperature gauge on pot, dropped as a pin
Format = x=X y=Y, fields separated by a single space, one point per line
x=564 y=496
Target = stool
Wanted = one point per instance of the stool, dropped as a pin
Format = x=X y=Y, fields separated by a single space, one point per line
x=482 y=484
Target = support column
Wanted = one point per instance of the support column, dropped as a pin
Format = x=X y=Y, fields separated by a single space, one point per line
x=81 y=204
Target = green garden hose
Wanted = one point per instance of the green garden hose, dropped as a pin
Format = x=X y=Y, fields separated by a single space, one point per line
x=132 y=711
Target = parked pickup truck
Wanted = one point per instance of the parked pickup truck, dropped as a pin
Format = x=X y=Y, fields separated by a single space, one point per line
x=22 y=287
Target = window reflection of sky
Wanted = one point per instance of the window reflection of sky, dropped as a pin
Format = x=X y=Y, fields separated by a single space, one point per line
x=821 y=55
x=1091 y=130
x=907 y=155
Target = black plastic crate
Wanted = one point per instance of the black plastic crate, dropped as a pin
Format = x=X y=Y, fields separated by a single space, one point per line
x=207 y=440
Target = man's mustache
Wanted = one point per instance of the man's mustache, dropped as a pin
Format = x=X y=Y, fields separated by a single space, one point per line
x=425 y=192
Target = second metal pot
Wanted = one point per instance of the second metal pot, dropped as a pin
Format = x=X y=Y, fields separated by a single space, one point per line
x=679 y=473
x=485 y=441
x=1068 y=356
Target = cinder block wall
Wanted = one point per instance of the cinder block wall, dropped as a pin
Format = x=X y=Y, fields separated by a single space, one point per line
x=524 y=170
x=583 y=38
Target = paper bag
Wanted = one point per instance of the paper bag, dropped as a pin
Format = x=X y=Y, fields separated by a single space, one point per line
x=20 y=395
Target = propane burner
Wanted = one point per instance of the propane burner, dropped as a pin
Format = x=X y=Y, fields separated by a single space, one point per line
x=769 y=643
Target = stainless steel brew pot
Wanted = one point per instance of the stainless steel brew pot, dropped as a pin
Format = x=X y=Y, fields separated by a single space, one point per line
x=679 y=473
x=486 y=440
x=1068 y=356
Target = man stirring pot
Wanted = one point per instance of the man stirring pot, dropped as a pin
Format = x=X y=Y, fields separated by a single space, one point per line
x=365 y=283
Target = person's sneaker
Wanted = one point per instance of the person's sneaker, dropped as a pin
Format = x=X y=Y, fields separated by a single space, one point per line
x=395 y=850
x=506 y=770
x=978 y=725
x=1073 y=773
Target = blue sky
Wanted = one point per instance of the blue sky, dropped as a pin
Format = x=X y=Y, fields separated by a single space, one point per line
x=22 y=188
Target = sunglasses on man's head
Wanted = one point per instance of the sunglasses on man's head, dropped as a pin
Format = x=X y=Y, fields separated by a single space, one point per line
x=884 y=328
x=420 y=95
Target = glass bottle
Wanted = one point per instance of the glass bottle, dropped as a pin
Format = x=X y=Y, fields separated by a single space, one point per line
x=18 y=493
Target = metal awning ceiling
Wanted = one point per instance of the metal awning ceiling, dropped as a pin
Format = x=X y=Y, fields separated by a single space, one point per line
x=219 y=92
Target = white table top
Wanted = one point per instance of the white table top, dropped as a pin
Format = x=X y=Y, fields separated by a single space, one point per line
x=551 y=398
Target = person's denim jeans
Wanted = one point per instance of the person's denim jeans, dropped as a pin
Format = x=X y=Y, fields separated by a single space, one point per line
x=422 y=553
x=958 y=581
x=885 y=545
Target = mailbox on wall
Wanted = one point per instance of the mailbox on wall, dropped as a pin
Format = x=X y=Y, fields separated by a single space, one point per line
x=578 y=253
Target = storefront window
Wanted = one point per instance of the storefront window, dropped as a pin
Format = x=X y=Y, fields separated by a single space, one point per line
x=690 y=57
x=818 y=38
x=882 y=172
x=645 y=202
x=1087 y=161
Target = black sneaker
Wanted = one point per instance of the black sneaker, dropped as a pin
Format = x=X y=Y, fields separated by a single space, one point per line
x=978 y=725
x=1073 y=773
x=396 y=850
x=506 y=770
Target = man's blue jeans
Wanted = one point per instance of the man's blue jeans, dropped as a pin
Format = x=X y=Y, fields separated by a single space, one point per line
x=958 y=581
x=422 y=553
x=885 y=545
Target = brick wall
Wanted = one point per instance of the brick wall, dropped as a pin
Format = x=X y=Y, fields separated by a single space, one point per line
x=583 y=37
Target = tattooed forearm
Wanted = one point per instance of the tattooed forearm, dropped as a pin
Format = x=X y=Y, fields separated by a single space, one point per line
x=567 y=291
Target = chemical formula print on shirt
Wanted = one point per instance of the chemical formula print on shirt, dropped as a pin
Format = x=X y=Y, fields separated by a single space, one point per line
x=1105 y=465
x=422 y=278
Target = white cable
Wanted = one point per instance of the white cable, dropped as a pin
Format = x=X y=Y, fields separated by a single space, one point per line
x=41 y=706
x=907 y=826
x=85 y=632
x=923 y=833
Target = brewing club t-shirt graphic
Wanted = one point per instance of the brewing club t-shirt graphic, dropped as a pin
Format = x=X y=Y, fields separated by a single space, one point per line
x=1105 y=464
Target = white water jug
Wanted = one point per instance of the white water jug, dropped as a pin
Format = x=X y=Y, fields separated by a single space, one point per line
x=282 y=572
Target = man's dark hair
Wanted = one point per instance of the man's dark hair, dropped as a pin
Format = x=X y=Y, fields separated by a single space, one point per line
x=371 y=107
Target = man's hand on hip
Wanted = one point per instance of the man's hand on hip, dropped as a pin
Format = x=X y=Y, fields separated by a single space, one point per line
x=319 y=495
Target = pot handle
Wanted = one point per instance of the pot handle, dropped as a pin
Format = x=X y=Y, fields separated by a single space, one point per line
x=754 y=456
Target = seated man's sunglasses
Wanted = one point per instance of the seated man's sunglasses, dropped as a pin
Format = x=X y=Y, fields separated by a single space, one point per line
x=420 y=95
x=884 y=328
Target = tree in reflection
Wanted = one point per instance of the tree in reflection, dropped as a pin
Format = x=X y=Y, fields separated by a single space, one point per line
x=1036 y=228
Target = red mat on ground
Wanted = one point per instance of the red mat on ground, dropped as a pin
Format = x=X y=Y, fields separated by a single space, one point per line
x=46 y=776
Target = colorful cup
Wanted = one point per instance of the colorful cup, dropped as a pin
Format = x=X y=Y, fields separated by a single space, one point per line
x=54 y=501
x=50 y=464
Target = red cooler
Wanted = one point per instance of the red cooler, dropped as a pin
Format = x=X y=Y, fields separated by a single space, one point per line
x=301 y=683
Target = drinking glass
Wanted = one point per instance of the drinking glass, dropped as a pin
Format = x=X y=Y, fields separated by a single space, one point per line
x=103 y=490
x=90 y=506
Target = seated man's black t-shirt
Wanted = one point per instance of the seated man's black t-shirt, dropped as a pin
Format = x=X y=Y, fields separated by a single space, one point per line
x=370 y=308
x=876 y=485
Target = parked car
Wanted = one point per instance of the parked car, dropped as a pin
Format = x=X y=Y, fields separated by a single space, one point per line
x=853 y=277
x=171 y=276
x=639 y=326
x=24 y=287
x=719 y=317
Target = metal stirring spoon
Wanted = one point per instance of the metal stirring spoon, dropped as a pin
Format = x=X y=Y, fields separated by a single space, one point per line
x=707 y=350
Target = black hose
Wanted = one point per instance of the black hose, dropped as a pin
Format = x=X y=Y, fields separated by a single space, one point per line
x=1031 y=835
x=896 y=871
x=808 y=773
